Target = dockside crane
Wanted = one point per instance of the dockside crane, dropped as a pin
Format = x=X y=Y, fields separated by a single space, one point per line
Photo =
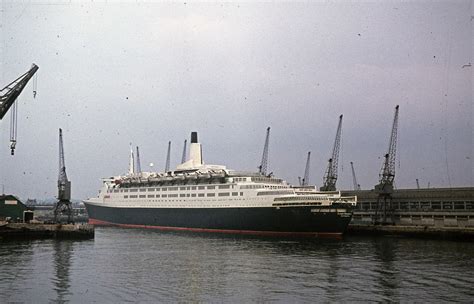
x=168 y=156
x=305 y=180
x=183 y=157
x=63 y=205
x=8 y=96
x=330 y=177
x=139 y=166
x=262 y=169
x=387 y=175
x=354 y=178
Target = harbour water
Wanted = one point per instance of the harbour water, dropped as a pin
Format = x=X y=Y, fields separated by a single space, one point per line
x=123 y=265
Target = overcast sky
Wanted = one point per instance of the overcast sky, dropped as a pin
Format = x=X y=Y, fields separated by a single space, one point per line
x=110 y=74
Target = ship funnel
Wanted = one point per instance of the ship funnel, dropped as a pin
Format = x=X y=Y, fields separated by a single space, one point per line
x=194 y=137
x=195 y=155
x=195 y=150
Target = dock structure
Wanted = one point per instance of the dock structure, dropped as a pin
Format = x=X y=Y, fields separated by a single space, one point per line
x=432 y=211
x=43 y=231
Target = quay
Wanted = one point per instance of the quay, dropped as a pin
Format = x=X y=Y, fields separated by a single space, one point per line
x=431 y=212
x=43 y=231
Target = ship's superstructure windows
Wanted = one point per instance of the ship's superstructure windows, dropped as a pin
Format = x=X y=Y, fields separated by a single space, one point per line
x=173 y=188
x=211 y=187
x=300 y=198
x=263 y=179
x=143 y=190
x=133 y=196
x=172 y=195
x=240 y=179
x=164 y=195
x=125 y=196
x=193 y=188
x=182 y=195
x=151 y=196
x=164 y=189
x=224 y=186
x=252 y=186
x=133 y=190
x=193 y=194
x=201 y=187
x=200 y=194
x=302 y=203
x=224 y=194
x=235 y=193
x=211 y=194
x=142 y=196
x=182 y=188
x=279 y=192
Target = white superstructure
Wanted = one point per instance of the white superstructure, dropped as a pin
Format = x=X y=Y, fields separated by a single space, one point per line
x=197 y=185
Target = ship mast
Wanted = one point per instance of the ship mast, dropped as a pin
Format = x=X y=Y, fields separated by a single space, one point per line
x=183 y=157
x=131 y=163
x=168 y=156
x=139 y=167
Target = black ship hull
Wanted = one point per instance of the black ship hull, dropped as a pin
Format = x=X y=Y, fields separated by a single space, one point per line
x=306 y=221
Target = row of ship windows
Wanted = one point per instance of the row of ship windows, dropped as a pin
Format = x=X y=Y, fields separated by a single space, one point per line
x=266 y=180
x=172 y=188
x=172 y=203
x=193 y=188
x=240 y=179
x=261 y=186
x=298 y=204
x=278 y=192
x=184 y=195
x=299 y=198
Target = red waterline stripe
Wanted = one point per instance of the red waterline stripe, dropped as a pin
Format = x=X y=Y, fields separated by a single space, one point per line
x=247 y=232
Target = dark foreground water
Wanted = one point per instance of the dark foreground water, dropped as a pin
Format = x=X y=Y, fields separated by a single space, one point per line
x=123 y=265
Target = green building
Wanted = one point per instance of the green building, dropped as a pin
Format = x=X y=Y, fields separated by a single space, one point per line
x=11 y=207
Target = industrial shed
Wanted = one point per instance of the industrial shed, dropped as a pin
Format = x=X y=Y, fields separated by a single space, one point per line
x=11 y=207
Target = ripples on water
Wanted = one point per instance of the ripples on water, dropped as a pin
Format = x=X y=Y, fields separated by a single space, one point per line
x=148 y=266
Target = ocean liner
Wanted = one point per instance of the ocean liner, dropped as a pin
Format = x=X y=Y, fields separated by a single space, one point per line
x=211 y=198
